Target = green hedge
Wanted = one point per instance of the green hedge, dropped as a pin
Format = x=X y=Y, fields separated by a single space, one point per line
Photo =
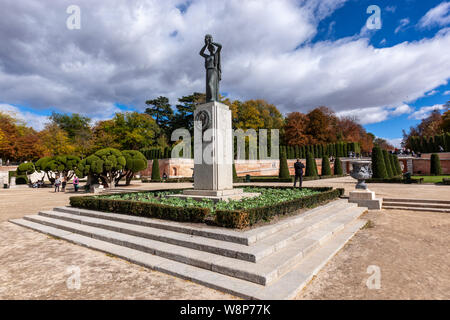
x=446 y=181
x=141 y=209
x=395 y=180
x=244 y=218
x=169 y=180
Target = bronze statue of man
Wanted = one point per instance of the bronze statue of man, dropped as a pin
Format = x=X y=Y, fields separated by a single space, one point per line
x=213 y=68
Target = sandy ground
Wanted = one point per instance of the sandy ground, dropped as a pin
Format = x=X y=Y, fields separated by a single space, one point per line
x=36 y=266
x=410 y=248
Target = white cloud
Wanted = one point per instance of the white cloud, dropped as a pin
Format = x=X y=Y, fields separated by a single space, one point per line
x=396 y=142
x=438 y=16
x=404 y=108
x=446 y=93
x=129 y=51
x=31 y=119
x=431 y=93
x=375 y=115
x=403 y=23
x=424 y=112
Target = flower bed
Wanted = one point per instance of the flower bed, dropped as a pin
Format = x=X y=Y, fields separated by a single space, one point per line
x=272 y=202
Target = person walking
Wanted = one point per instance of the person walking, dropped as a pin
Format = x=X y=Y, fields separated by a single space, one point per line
x=76 y=182
x=57 y=184
x=298 y=167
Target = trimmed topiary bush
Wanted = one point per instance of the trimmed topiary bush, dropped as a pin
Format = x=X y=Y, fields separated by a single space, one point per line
x=244 y=218
x=398 y=168
x=135 y=162
x=338 y=167
x=435 y=168
x=387 y=163
x=284 y=169
x=378 y=164
x=155 y=170
x=326 y=169
x=311 y=169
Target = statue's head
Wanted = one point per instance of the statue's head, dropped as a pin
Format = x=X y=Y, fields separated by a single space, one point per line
x=208 y=41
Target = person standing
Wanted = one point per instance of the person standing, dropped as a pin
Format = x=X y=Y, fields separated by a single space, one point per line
x=298 y=167
x=76 y=181
x=57 y=184
x=63 y=184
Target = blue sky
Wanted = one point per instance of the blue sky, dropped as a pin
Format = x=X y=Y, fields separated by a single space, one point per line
x=296 y=54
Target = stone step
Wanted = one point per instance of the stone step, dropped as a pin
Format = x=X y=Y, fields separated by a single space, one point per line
x=416 y=200
x=416 y=209
x=264 y=272
x=417 y=205
x=253 y=253
x=285 y=288
x=248 y=237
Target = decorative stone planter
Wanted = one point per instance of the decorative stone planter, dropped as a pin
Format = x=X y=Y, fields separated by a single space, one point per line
x=362 y=170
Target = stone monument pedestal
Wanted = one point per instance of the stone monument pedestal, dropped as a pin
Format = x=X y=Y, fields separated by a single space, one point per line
x=365 y=198
x=213 y=155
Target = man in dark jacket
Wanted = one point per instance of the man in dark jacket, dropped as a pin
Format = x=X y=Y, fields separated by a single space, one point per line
x=298 y=166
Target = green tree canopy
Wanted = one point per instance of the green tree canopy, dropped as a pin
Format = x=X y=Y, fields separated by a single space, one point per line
x=135 y=162
x=106 y=164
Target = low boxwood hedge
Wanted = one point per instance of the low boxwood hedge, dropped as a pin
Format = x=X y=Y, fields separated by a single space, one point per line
x=396 y=180
x=141 y=209
x=169 y=180
x=244 y=218
x=226 y=218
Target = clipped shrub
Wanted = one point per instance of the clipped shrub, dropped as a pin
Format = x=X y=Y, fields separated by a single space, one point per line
x=398 y=168
x=435 y=168
x=22 y=179
x=326 y=169
x=25 y=169
x=135 y=162
x=141 y=209
x=311 y=169
x=244 y=218
x=387 y=163
x=155 y=170
x=338 y=167
x=378 y=164
x=284 y=169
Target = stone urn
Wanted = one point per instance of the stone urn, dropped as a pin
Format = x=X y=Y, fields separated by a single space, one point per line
x=362 y=170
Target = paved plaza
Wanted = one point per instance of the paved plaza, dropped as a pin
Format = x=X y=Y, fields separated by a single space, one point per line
x=409 y=247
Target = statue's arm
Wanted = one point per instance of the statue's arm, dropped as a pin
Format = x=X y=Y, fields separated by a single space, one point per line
x=202 y=52
x=218 y=45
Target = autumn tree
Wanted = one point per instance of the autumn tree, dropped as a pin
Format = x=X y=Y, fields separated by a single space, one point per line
x=56 y=141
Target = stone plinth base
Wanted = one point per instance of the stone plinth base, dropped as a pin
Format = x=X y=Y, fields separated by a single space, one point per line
x=215 y=195
x=365 y=198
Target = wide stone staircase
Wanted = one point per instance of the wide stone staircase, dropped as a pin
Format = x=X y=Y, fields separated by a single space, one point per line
x=273 y=261
x=417 y=205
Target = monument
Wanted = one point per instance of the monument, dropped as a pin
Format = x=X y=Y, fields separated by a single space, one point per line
x=362 y=195
x=213 y=137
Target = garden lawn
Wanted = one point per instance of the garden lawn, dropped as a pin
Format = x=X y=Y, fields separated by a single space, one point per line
x=432 y=179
